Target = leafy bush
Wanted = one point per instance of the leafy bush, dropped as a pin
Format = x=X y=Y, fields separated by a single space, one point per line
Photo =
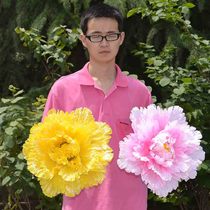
x=19 y=188
x=18 y=113
x=180 y=82
x=54 y=51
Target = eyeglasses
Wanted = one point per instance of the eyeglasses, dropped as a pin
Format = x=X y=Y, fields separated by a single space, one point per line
x=99 y=38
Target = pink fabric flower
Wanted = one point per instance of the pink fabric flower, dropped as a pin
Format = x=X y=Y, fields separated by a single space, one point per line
x=163 y=149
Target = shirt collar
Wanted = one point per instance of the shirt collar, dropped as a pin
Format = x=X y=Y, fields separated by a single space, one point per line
x=86 y=79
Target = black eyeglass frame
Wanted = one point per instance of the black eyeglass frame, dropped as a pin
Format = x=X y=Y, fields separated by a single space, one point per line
x=104 y=37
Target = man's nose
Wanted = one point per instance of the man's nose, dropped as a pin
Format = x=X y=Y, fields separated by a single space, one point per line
x=104 y=42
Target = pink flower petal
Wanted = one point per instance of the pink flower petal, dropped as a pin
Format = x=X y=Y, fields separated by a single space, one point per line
x=163 y=149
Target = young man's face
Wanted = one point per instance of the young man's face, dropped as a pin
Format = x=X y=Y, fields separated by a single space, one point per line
x=102 y=51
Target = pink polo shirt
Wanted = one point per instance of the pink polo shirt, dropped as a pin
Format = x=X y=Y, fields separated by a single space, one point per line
x=119 y=190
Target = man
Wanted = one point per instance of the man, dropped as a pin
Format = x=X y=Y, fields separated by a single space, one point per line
x=110 y=95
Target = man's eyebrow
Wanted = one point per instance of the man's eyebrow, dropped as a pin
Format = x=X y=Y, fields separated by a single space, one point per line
x=100 y=32
x=110 y=32
x=96 y=32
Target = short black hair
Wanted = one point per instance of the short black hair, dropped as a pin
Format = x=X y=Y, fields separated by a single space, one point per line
x=101 y=10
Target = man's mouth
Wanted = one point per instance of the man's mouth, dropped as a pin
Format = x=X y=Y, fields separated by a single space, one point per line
x=104 y=52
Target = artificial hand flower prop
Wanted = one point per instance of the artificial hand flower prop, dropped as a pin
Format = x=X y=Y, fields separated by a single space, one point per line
x=68 y=152
x=163 y=148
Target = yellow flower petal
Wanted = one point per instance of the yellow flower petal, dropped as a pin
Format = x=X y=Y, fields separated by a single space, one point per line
x=57 y=185
x=68 y=151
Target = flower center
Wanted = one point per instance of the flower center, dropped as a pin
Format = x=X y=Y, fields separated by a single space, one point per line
x=166 y=147
x=65 y=151
x=161 y=150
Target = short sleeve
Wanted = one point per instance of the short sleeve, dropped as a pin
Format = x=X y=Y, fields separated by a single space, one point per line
x=52 y=102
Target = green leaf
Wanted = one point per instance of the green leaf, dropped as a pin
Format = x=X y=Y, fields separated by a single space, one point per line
x=164 y=81
x=125 y=72
x=19 y=166
x=11 y=159
x=189 y=5
x=18 y=191
x=158 y=62
x=2 y=172
x=13 y=181
x=132 y=12
x=3 y=154
x=188 y=23
x=14 y=123
x=17 y=99
x=9 y=131
x=185 y=10
x=206 y=42
x=2 y=118
x=5 y=100
x=187 y=80
x=204 y=166
x=3 y=109
x=155 y=18
x=133 y=75
x=21 y=156
x=5 y=180
x=179 y=91
x=9 y=141
x=19 y=92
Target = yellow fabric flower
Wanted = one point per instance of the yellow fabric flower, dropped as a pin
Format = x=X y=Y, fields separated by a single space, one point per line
x=68 y=152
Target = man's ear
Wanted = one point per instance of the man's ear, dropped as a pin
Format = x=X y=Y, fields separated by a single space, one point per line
x=83 y=40
x=122 y=37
